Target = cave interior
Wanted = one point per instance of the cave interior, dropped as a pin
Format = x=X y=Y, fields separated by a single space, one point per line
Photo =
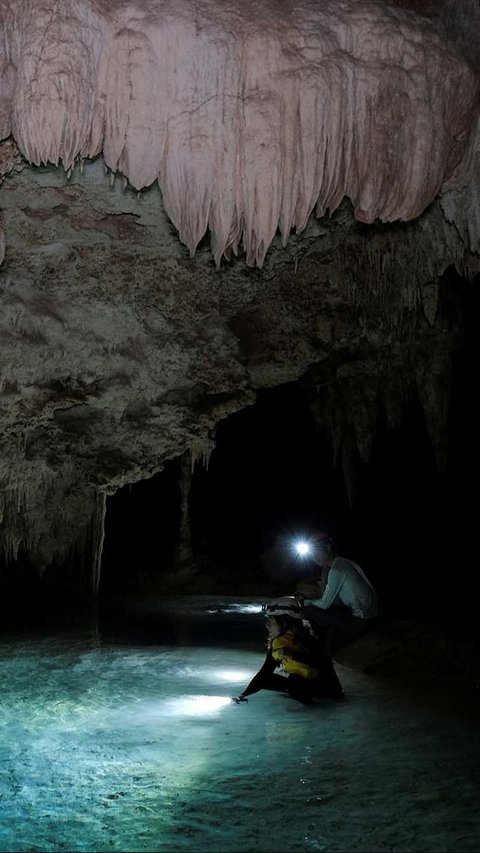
x=239 y=302
x=239 y=293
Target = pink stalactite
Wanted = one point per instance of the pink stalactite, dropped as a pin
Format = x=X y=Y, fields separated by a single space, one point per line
x=249 y=115
x=56 y=52
x=7 y=82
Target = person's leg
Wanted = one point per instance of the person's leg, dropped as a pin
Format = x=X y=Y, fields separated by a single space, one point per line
x=328 y=624
x=347 y=628
x=327 y=685
x=300 y=689
x=279 y=683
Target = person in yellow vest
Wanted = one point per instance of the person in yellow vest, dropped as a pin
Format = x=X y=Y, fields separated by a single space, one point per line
x=305 y=670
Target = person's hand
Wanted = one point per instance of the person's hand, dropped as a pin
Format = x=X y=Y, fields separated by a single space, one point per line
x=238 y=699
x=308 y=589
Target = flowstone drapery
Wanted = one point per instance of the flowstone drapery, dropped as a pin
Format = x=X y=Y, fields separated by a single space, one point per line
x=250 y=116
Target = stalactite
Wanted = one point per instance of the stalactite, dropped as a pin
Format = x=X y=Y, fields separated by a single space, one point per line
x=201 y=450
x=461 y=204
x=43 y=508
x=22 y=486
x=429 y=297
x=79 y=565
x=184 y=550
x=382 y=271
x=349 y=404
x=433 y=382
x=249 y=120
x=95 y=539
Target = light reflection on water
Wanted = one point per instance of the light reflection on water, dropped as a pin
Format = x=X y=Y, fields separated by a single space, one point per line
x=194 y=706
x=237 y=608
x=102 y=747
x=108 y=747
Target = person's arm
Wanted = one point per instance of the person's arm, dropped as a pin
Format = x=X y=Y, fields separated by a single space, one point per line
x=313 y=587
x=258 y=680
x=333 y=587
x=308 y=589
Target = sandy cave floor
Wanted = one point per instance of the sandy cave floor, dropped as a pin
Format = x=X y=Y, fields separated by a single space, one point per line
x=114 y=739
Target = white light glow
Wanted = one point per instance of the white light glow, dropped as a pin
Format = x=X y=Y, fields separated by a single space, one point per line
x=233 y=676
x=237 y=608
x=303 y=548
x=246 y=608
x=194 y=706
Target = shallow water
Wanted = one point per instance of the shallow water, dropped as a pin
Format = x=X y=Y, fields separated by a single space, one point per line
x=110 y=741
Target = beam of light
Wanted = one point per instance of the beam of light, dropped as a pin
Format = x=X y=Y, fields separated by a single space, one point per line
x=246 y=608
x=194 y=706
x=237 y=608
x=232 y=676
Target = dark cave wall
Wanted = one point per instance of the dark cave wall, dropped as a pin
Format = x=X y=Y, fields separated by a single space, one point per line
x=141 y=531
x=272 y=475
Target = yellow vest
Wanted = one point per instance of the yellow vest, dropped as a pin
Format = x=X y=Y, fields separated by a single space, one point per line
x=286 y=651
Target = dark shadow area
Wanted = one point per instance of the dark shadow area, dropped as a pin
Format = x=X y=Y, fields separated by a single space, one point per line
x=141 y=530
x=57 y=598
x=271 y=477
x=184 y=621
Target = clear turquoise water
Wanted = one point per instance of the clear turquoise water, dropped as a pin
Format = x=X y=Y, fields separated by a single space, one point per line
x=109 y=745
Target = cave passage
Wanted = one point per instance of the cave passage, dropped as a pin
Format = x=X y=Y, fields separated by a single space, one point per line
x=271 y=476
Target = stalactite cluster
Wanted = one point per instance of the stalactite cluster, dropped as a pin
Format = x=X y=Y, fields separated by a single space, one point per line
x=43 y=508
x=250 y=116
x=349 y=399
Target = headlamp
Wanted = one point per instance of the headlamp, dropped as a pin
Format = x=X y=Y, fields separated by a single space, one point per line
x=302 y=548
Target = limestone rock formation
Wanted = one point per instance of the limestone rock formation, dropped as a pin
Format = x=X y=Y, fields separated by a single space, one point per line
x=198 y=201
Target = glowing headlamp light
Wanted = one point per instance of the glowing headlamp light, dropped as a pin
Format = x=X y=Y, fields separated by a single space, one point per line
x=302 y=548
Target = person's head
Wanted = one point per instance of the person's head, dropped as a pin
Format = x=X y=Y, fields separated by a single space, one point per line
x=323 y=547
x=283 y=614
x=278 y=625
x=275 y=626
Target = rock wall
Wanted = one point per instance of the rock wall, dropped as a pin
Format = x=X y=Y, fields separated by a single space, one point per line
x=330 y=152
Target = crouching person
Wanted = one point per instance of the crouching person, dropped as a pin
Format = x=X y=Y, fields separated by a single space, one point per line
x=306 y=671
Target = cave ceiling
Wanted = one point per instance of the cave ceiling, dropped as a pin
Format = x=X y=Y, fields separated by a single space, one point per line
x=202 y=200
